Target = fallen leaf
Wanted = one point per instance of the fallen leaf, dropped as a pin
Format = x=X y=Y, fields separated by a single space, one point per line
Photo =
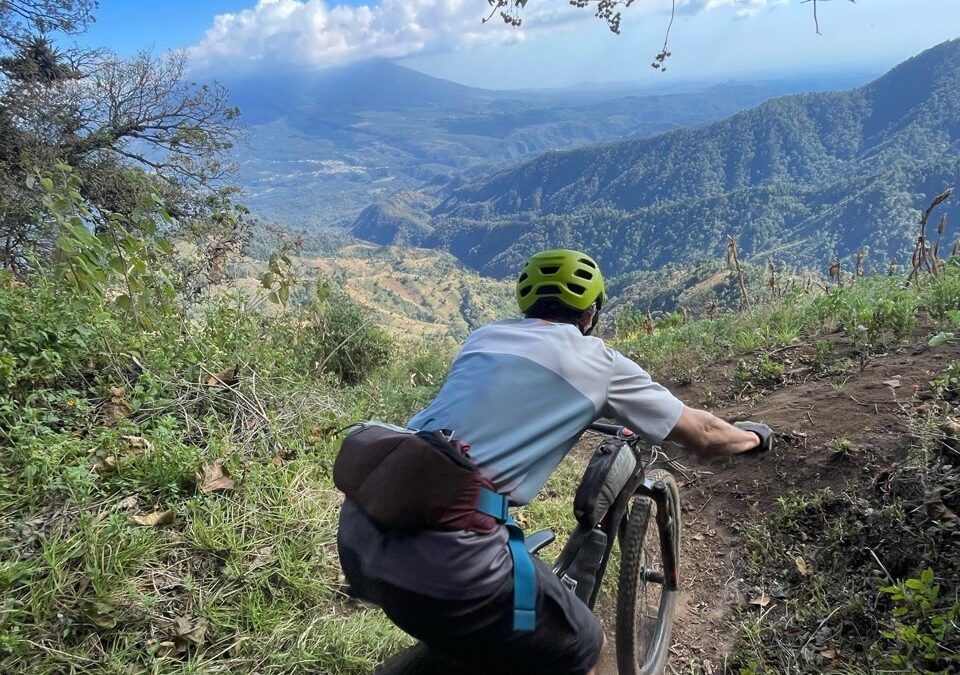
x=828 y=654
x=225 y=378
x=118 y=393
x=128 y=502
x=761 y=600
x=214 y=477
x=521 y=519
x=263 y=558
x=155 y=519
x=162 y=649
x=707 y=667
x=101 y=615
x=780 y=592
x=697 y=537
x=137 y=442
x=801 y=565
x=106 y=465
x=893 y=384
x=185 y=633
x=711 y=533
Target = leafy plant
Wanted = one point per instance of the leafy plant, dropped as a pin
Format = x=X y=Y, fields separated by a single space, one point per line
x=126 y=262
x=947 y=336
x=921 y=620
x=842 y=447
x=947 y=382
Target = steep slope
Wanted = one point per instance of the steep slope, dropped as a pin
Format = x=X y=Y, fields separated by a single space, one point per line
x=821 y=173
x=321 y=146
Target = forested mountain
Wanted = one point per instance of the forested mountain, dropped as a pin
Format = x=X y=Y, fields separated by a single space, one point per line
x=803 y=177
x=322 y=145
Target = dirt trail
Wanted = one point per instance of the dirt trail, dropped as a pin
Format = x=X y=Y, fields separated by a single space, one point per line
x=808 y=413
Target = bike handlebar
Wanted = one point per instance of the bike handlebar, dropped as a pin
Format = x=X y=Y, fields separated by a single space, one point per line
x=612 y=429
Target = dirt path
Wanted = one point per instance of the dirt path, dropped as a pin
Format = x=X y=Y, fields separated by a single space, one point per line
x=808 y=413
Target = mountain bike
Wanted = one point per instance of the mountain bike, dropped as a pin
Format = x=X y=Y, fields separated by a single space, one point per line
x=643 y=514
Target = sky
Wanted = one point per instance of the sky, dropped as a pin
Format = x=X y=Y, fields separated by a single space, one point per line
x=556 y=46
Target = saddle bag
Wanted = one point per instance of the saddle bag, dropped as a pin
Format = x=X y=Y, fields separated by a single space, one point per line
x=401 y=478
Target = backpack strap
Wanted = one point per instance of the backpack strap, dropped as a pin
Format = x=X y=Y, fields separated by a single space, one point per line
x=497 y=506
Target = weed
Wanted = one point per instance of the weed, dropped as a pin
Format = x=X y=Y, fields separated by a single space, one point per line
x=921 y=621
x=769 y=370
x=947 y=382
x=824 y=356
x=842 y=448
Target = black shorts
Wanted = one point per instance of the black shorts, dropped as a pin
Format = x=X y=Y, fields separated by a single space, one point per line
x=566 y=641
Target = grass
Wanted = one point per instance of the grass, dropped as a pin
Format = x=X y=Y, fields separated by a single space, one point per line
x=101 y=424
x=242 y=579
x=874 y=313
x=842 y=613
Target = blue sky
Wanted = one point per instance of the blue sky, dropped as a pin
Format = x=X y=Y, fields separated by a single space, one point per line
x=557 y=45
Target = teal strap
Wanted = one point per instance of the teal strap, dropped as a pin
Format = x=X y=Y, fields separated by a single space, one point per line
x=524 y=576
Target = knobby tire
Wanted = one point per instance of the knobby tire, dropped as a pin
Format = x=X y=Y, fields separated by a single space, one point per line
x=643 y=627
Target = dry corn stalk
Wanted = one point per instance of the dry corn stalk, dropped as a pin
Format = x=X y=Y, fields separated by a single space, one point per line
x=836 y=271
x=733 y=262
x=775 y=291
x=923 y=254
x=858 y=269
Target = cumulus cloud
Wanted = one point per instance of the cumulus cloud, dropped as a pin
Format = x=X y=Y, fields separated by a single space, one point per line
x=314 y=33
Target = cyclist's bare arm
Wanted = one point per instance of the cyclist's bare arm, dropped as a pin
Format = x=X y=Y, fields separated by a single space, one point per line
x=706 y=434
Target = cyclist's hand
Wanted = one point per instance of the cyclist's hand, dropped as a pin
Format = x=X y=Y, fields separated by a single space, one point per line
x=763 y=432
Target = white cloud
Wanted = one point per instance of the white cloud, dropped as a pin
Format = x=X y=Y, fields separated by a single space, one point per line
x=744 y=9
x=313 y=33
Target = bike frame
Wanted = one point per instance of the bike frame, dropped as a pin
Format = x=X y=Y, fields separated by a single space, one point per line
x=614 y=522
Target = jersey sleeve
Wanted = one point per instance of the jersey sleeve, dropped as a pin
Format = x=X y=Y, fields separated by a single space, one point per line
x=634 y=399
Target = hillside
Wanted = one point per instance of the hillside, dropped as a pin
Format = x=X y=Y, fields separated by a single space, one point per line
x=320 y=146
x=407 y=291
x=168 y=505
x=803 y=176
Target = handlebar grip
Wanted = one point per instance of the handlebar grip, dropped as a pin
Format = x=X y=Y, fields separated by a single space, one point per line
x=611 y=429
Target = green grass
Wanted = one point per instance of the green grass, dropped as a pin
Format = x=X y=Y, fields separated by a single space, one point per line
x=835 y=563
x=102 y=422
x=874 y=313
x=241 y=580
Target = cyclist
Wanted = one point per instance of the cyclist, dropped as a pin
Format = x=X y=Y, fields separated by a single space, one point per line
x=520 y=393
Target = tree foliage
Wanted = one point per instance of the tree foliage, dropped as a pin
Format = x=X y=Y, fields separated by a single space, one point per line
x=128 y=128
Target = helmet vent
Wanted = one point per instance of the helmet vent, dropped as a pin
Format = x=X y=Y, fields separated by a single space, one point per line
x=552 y=269
x=588 y=263
x=549 y=289
x=525 y=291
x=583 y=274
x=523 y=277
x=577 y=288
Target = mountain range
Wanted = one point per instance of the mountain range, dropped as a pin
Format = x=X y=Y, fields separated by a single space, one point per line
x=800 y=177
x=322 y=145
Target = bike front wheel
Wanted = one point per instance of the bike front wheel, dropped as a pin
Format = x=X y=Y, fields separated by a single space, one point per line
x=645 y=604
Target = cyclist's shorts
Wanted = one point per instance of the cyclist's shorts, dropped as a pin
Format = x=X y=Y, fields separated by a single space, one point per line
x=567 y=639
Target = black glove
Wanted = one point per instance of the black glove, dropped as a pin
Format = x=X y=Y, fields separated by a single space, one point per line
x=763 y=432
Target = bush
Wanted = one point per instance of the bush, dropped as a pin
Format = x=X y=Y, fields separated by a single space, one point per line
x=345 y=342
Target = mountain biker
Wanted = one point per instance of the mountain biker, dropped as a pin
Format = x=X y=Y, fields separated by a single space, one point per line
x=520 y=393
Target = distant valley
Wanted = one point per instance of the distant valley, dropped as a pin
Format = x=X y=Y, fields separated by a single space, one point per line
x=799 y=178
x=322 y=146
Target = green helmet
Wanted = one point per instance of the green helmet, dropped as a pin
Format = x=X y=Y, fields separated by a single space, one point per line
x=571 y=277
